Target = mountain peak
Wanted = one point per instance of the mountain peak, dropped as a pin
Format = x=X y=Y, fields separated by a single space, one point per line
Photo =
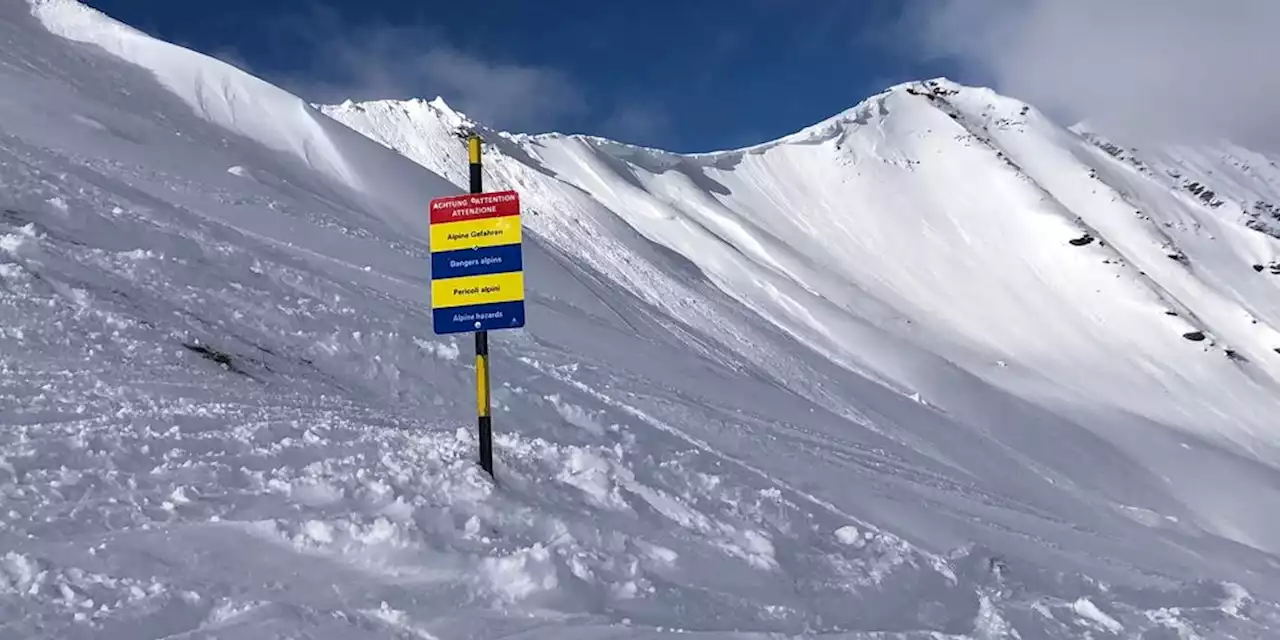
x=413 y=108
x=451 y=116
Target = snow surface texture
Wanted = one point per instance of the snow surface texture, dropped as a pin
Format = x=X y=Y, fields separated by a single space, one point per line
x=857 y=383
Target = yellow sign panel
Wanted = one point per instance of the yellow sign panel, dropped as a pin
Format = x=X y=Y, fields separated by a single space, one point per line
x=482 y=289
x=472 y=234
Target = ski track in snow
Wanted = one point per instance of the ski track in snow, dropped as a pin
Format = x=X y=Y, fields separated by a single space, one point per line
x=224 y=414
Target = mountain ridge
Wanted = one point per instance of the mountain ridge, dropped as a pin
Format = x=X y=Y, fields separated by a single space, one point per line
x=803 y=133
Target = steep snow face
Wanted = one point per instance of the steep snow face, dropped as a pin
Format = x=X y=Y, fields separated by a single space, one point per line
x=224 y=413
x=937 y=226
x=247 y=106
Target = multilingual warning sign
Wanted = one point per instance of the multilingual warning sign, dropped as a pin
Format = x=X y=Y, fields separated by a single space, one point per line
x=477 y=268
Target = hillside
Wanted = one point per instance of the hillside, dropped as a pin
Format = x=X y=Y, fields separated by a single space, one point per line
x=857 y=383
x=938 y=238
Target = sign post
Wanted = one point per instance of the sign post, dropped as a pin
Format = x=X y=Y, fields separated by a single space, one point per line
x=477 y=276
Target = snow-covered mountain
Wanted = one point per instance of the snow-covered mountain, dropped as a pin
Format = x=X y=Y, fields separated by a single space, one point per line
x=934 y=368
x=940 y=237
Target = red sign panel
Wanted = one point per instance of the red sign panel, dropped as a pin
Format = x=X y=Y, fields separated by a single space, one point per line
x=475 y=206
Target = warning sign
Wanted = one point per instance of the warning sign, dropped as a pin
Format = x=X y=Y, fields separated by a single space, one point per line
x=477 y=266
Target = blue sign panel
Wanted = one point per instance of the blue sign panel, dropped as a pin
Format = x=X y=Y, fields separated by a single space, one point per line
x=474 y=262
x=479 y=317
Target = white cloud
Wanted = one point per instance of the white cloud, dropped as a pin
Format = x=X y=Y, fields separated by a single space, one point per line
x=505 y=95
x=636 y=123
x=1154 y=70
x=376 y=60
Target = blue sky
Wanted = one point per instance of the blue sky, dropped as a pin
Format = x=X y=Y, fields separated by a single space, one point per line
x=688 y=75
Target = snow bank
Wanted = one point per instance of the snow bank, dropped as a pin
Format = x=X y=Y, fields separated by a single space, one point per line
x=246 y=105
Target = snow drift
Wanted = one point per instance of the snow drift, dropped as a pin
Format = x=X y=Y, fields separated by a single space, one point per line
x=908 y=373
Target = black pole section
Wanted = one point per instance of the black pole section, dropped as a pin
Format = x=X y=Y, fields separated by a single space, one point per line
x=482 y=341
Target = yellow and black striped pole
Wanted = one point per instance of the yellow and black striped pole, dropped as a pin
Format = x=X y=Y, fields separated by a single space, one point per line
x=482 y=339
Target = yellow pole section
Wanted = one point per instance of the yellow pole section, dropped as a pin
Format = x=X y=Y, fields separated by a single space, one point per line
x=482 y=385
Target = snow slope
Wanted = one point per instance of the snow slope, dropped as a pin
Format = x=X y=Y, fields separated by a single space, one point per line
x=223 y=413
x=937 y=227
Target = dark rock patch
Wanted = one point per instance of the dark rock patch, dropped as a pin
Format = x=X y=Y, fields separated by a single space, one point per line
x=213 y=355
